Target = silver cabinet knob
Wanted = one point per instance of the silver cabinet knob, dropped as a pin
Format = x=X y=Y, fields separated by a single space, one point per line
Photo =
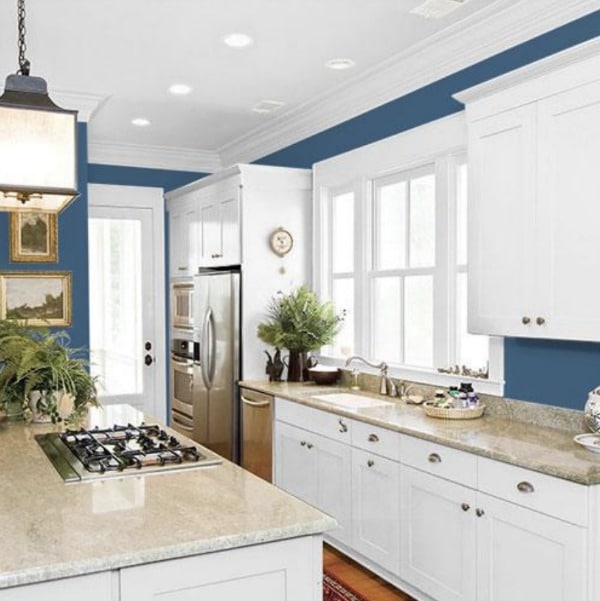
x=434 y=458
x=303 y=443
x=479 y=512
x=373 y=438
x=525 y=320
x=370 y=463
x=465 y=507
x=525 y=487
x=540 y=321
x=309 y=445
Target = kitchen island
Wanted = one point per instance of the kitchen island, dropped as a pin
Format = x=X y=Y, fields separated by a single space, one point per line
x=215 y=530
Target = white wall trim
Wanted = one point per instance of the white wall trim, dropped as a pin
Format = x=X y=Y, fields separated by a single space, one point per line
x=154 y=157
x=485 y=35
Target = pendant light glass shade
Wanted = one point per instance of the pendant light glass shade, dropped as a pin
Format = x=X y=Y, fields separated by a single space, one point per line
x=38 y=148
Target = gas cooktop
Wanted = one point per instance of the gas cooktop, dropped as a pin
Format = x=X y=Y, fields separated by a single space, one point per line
x=80 y=455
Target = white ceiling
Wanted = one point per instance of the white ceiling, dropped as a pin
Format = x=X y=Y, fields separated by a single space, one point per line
x=128 y=52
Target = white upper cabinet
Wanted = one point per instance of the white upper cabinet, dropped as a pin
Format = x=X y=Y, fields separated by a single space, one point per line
x=534 y=215
x=183 y=228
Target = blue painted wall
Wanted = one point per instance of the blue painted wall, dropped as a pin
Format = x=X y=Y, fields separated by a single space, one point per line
x=552 y=372
x=72 y=249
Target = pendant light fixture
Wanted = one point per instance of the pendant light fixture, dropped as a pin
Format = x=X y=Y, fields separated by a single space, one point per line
x=38 y=142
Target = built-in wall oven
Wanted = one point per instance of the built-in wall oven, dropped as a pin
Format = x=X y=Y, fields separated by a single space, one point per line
x=183 y=354
x=182 y=305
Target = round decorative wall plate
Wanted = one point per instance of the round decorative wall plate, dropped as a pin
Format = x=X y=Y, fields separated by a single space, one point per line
x=281 y=242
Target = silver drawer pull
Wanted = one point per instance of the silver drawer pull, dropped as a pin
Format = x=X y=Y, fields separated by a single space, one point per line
x=343 y=427
x=525 y=487
x=370 y=463
x=479 y=512
x=434 y=458
x=465 y=507
x=373 y=438
x=303 y=443
x=309 y=445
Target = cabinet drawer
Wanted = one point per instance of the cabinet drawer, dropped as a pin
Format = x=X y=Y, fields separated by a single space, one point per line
x=320 y=422
x=374 y=439
x=547 y=494
x=439 y=460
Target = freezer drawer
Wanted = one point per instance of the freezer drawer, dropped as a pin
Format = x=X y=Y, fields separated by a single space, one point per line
x=257 y=433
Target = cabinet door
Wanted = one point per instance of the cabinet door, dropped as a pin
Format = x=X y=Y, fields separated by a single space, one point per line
x=295 y=467
x=183 y=234
x=230 y=227
x=210 y=233
x=569 y=215
x=501 y=244
x=334 y=486
x=438 y=549
x=524 y=554
x=376 y=508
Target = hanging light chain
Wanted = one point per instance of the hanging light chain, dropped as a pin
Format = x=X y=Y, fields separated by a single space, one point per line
x=24 y=64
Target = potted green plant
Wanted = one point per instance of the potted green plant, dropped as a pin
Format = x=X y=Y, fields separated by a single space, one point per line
x=39 y=370
x=299 y=323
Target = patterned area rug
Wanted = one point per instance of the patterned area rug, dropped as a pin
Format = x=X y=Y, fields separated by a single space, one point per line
x=334 y=590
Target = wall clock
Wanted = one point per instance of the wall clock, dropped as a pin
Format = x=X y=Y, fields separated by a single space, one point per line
x=281 y=242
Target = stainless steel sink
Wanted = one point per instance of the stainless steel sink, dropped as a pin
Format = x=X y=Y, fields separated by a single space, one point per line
x=348 y=400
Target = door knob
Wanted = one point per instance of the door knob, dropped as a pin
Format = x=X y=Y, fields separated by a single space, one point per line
x=148 y=360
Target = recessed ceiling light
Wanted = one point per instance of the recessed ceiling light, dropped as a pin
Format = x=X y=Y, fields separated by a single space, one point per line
x=340 y=63
x=180 y=89
x=268 y=106
x=140 y=122
x=238 y=40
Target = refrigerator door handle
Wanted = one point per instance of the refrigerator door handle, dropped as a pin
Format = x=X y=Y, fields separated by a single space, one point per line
x=212 y=345
x=204 y=350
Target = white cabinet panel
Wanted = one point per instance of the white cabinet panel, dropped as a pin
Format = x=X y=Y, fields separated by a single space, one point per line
x=569 y=188
x=92 y=587
x=183 y=236
x=527 y=555
x=282 y=571
x=438 y=552
x=501 y=217
x=375 y=508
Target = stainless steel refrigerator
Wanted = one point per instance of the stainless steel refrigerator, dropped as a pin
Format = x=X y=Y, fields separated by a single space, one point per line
x=217 y=367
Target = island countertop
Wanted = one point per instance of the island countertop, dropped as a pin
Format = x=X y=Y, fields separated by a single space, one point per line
x=53 y=530
x=500 y=434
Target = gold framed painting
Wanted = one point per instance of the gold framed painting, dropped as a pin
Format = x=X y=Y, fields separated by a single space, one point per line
x=36 y=298
x=33 y=237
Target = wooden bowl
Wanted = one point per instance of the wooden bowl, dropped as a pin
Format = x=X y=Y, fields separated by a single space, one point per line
x=324 y=375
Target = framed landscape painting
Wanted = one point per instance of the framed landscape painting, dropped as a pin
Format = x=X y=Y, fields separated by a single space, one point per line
x=33 y=237
x=36 y=298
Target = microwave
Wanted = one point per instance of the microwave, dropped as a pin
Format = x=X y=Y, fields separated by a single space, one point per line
x=182 y=305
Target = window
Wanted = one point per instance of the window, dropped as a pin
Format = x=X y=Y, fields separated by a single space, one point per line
x=391 y=252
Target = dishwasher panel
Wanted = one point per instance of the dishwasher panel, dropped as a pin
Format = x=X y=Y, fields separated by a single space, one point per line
x=257 y=433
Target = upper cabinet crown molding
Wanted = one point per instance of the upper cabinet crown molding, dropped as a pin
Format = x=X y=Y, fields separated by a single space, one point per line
x=556 y=73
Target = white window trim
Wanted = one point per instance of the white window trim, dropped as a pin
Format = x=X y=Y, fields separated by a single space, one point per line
x=441 y=143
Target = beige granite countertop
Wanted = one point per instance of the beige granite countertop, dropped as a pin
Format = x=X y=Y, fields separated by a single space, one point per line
x=509 y=433
x=51 y=529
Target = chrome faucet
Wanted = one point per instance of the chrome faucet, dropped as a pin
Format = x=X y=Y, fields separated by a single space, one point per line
x=386 y=385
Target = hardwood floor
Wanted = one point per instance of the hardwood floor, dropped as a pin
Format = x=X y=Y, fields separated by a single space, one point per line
x=360 y=579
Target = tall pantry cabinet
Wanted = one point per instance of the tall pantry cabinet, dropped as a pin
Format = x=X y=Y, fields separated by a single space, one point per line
x=534 y=183
x=227 y=219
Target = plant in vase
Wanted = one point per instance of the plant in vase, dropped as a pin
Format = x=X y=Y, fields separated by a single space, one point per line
x=49 y=378
x=299 y=323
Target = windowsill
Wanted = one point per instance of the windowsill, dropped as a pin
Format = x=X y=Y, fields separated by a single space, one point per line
x=424 y=376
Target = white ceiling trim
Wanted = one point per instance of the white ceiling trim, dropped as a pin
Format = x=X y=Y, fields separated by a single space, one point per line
x=154 y=157
x=85 y=104
x=435 y=58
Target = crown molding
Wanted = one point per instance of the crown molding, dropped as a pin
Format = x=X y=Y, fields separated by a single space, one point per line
x=85 y=104
x=481 y=36
x=154 y=157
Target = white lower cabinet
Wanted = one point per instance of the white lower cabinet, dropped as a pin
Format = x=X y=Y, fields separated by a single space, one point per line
x=523 y=554
x=315 y=469
x=375 y=504
x=287 y=570
x=438 y=542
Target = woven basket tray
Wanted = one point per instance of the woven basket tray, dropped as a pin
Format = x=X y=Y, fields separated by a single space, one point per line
x=453 y=413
